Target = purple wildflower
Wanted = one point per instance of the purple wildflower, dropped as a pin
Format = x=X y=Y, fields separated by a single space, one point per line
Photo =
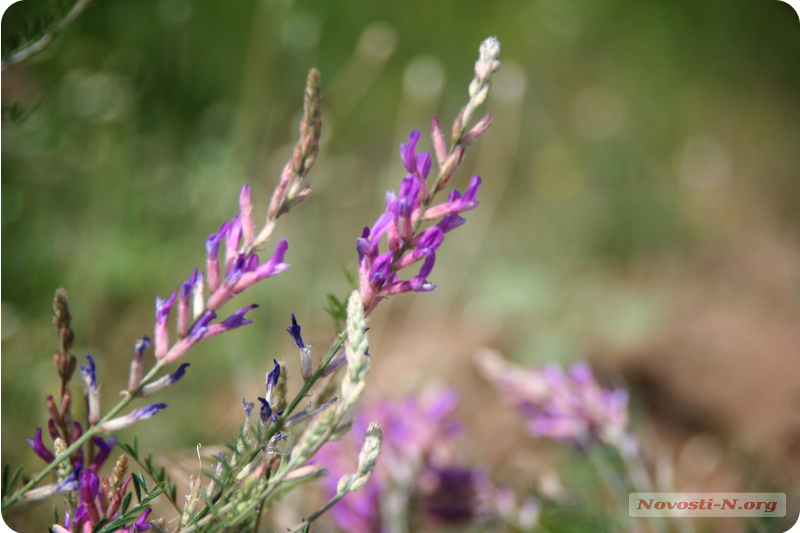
x=416 y=431
x=93 y=393
x=39 y=447
x=90 y=490
x=272 y=379
x=198 y=332
x=137 y=363
x=212 y=257
x=266 y=410
x=232 y=238
x=130 y=419
x=248 y=407
x=564 y=406
x=161 y=336
x=185 y=304
x=454 y=494
x=244 y=271
x=378 y=272
x=294 y=331
x=69 y=484
x=306 y=363
x=164 y=382
x=203 y=329
x=104 y=448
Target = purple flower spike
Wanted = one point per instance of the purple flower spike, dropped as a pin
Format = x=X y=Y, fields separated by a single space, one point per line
x=294 y=331
x=130 y=419
x=39 y=448
x=161 y=336
x=564 y=406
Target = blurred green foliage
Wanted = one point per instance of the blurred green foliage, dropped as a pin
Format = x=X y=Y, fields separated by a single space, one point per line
x=625 y=131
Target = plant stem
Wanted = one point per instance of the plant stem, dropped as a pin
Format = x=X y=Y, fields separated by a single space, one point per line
x=274 y=482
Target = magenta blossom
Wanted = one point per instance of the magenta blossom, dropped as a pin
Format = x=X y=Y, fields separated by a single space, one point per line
x=564 y=406
x=400 y=223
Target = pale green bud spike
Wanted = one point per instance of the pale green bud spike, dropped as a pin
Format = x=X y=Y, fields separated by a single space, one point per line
x=368 y=456
x=357 y=343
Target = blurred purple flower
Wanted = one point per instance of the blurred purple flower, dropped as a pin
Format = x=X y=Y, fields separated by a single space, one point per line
x=39 y=447
x=161 y=335
x=92 y=392
x=244 y=270
x=122 y=422
x=564 y=406
x=294 y=331
x=416 y=459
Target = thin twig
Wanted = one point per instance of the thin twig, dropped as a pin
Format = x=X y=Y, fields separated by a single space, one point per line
x=45 y=40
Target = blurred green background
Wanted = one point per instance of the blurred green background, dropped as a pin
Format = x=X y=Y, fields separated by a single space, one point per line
x=629 y=139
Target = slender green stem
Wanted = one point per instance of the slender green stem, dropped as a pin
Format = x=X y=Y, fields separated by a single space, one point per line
x=274 y=482
x=307 y=521
x=334 y=349
x=88 y=434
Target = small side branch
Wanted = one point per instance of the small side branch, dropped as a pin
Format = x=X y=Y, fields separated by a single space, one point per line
x=49 y=36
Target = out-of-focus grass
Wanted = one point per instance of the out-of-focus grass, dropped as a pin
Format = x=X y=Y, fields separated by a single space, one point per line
x=625 y=133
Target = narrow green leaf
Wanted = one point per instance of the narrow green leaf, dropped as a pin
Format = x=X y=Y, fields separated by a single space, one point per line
x=126 y=502
x=137 y=488
x=15 y=478
x=103 y=521
x=142 y=481
x=128 y=449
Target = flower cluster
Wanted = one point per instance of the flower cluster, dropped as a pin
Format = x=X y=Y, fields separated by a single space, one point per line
x=102 y=499
x=416 y=467
x=241 y=270
x=564 y=406
x=401 y=222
